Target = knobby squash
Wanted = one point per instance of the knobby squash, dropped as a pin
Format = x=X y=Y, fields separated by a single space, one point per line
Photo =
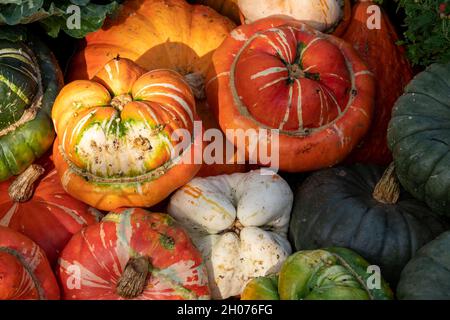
x=239 y=222
x=377 y=46
x=155 y=34
x=419 y=140
x=365 y=210
x=278 y=73
x=122 y=136
x=47 y=215
x=30 y=79
x=133 y=254
x=323 y=274
x=25 y=273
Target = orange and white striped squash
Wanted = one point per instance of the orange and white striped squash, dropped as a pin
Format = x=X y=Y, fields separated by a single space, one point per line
x=49 y=218
x=279 y=73
x=117 y=136
x=100 y=255
x=25 y=273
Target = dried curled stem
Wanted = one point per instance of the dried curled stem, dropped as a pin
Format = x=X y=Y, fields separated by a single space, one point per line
x=387 y=189
x=21 y=190
x=132 y=281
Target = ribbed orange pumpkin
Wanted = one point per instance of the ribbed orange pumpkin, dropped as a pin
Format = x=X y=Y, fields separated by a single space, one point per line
x=387 y=60
x=228 y=8
x=278 y=73
x=158 y=34
x=50 y=217
x=117 y=139
x=25 y=273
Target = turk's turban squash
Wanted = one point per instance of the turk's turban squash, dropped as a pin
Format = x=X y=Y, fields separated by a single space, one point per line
x=25 y=273
x=118 y=136
x=278 y=73
x=48 y=216
x=30 y=79
x=239 y=222
x=324 y=274
x=132 y=254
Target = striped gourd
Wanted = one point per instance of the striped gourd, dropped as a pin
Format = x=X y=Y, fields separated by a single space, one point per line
x=25 y=271
x=29 y=81
x=279 y=74
x=117 y=142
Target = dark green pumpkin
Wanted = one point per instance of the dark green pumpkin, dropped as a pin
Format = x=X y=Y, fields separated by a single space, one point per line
x=427 y=275
x=324 y=274
x=30 y=79
x=419 y=137
x=336 y=207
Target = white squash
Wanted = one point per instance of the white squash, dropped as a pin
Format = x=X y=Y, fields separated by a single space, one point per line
x=239 y=222
x=319 y=14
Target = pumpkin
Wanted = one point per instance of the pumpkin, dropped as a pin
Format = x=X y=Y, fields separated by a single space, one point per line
x=323 y=274
x=228 y=8
x=419 y=140
x=427 y=275
x=132 y=254
x=170 y=34
x=279 y=74
x=323 y=15
x=362 y=209
x=387 y=61
x=239 y=223
x=29 y=82
x=48 y=216
x=25 y=273
x=120 y=141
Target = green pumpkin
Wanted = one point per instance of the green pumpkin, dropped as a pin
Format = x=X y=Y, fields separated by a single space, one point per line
x=427 y=275
x=361 y=209
x=419 y=137
x=324 y=274
x=30 y=79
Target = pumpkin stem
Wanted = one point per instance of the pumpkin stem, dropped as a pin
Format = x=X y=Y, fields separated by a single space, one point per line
x=387 y=189
x=196 y=81
x=118 y=102
x=21 y=190
x=132 y=281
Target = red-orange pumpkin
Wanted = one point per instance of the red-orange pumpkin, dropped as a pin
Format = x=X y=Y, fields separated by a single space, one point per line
x=387 y=60
x=50 y=217
x=132 y=254
x=25 y=273
x=278 y=73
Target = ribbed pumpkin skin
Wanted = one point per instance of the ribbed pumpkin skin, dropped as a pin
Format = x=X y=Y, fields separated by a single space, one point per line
x=278 y=73
x=113 y=154
x=29 y=140
x=170 y=34
x=228 y=8
x=178 y=271
x=387 y=61
x=335 y=207
x=49 y=218
x=323 y=274
x=427 y=275
x=25 y=273
x=419 y=140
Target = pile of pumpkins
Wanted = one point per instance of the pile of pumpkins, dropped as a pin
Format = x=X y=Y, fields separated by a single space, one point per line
x=82 y=221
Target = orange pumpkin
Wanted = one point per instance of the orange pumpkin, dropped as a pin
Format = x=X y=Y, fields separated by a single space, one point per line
x=49 y=216
x=278 y=73
x=387 y=60
x=25 y=273
x=156 y=34
x=228 y=8
x=119 y=136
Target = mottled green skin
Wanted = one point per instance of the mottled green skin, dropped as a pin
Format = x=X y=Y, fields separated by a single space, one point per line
x=419 y=137
x=20 y=148
x=324 y=274
x=427 y=275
